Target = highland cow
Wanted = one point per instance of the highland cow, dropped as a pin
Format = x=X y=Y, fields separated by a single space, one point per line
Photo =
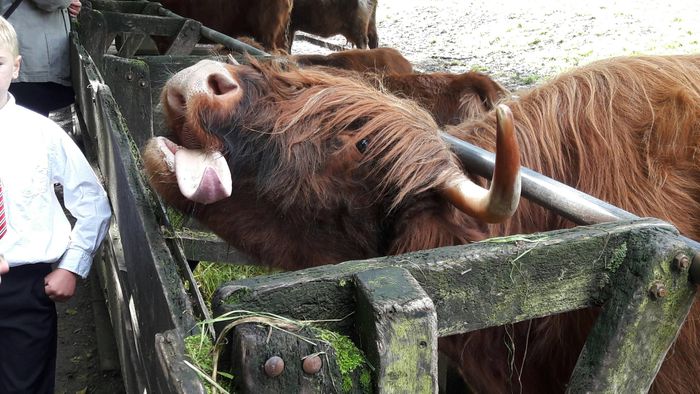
x=450 y=98
x=354 y=19
x=316 y=169
x=378 y=61
x=267 y=21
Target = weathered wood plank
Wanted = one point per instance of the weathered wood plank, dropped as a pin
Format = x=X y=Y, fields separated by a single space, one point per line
x=131 y=43
x=169 y=350
x=154 y=299
x=186 y=38
x=147 y=24
x=397 y=323
x=508 y=280
x=256 y=347
x=129 y=82
x=205 y=246
x=649 y=301
x=473 y=286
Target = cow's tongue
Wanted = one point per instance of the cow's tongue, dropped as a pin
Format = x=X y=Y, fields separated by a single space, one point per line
x=202 y=177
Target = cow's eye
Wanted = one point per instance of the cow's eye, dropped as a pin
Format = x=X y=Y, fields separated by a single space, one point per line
x=362 y=145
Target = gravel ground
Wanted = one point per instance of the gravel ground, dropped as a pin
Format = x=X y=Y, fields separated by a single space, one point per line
x=520 y=43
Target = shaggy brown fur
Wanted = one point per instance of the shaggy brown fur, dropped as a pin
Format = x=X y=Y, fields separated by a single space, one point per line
x=624 y=130
x=267 y=21
x=354 y=19
x=291 y=144
x=450 y=98
x=378 y=60
x=627 y=131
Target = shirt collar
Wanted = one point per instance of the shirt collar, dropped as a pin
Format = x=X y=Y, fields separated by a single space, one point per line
x=9 y=104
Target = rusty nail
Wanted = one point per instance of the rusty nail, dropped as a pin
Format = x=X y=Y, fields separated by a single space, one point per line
x=312 y=364
x=658 y=290
x=129 y=76
x=274 y=366
x=142 y=83
x=681 y=262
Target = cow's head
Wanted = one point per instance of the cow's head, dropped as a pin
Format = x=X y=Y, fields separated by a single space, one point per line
x=304 y=159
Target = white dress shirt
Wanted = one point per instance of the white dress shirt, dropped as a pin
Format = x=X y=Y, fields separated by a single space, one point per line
x=35 y=153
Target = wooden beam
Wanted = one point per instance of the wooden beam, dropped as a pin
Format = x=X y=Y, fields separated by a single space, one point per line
x=649 y=300
x=397 y=323
x=473 y=286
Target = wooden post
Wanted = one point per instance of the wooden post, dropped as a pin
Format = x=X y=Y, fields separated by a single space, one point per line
x=649 y=300
x=507 y=280
x=272 y=360
x=397 y=326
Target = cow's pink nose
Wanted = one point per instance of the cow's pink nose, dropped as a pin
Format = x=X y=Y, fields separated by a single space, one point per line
x=206 y=80
x=217 y=85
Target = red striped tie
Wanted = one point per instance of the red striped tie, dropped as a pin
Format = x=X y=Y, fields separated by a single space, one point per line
x=3 y=222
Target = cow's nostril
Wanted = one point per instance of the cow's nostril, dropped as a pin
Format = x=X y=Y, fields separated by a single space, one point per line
x=176 y=100
x=220 y=84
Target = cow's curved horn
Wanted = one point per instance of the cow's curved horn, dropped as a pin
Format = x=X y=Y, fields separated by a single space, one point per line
x=500 y=201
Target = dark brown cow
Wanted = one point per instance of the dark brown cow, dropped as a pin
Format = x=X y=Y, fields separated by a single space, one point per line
x=354 y=19
x=378 y=60
x=322 y=169
x=267 y=21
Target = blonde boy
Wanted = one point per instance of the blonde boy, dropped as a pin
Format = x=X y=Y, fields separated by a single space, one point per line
x=44 y=252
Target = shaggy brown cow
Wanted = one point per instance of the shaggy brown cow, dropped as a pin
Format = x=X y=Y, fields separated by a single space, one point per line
x=450 y=98
x=354 y=19
x=267 y=21
x=378 y=60
x=324 y=170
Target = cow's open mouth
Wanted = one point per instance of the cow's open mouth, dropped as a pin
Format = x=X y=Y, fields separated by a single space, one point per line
x=202 y=177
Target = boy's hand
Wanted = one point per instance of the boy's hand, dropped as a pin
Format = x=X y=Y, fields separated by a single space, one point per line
x=59 y=285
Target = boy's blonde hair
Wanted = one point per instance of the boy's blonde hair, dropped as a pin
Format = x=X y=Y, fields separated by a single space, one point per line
x=8 y=37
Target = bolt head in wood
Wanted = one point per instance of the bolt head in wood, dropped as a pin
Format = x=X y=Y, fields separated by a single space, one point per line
x=312 y=364
x=658 y=290
x=274 y=366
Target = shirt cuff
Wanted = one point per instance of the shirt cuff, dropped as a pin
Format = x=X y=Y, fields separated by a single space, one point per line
x=76 y=261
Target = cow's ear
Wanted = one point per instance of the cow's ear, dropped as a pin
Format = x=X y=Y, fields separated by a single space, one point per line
x=433 y=223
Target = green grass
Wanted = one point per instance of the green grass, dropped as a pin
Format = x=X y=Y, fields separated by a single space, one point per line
x=210 y=276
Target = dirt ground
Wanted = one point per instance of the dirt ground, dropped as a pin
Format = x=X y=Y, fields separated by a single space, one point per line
x=519 y=43
x=78 y=367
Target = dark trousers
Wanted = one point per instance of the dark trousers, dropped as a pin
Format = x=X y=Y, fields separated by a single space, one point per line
x=42 y=97
x=27 y=332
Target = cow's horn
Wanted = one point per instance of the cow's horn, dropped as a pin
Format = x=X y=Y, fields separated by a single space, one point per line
x=500 y=201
